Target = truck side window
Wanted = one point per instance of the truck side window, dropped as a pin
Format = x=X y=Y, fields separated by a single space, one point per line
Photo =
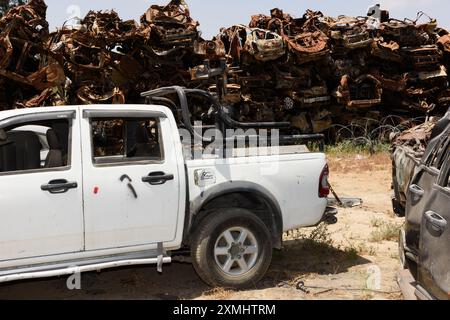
x=447 y=160
x=444 y=179
x=439 y=155
x=121 y=140
x=35 y=146
x=448 y=181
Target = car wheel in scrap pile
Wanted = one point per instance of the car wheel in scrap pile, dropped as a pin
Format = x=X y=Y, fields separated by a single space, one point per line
x=231 y=248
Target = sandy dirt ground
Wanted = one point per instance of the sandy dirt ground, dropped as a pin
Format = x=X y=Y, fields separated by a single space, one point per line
x=356 y=258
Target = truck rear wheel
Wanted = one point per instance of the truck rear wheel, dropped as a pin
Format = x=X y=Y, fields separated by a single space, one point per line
x=231 y=249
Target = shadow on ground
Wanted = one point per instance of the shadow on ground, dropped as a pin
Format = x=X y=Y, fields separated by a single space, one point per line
x=179 y=280
x=307 y=258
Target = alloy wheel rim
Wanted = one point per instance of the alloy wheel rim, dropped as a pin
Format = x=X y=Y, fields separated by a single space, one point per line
x=236 y=251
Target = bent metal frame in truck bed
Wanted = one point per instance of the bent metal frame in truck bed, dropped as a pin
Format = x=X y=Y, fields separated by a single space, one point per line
x=176 y=98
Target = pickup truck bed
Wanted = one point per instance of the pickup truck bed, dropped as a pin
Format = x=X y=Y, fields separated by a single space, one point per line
x=286 y=176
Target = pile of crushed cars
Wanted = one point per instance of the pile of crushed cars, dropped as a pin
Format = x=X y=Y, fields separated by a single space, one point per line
x=313 y=72
x=416 y=139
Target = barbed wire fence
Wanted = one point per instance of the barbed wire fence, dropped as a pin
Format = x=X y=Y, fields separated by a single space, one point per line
x=369 y=132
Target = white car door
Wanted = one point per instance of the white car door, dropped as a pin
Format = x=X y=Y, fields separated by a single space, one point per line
x=40 y=204
x=131 y=180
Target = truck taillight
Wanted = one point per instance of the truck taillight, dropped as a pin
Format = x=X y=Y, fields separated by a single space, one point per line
x=324 y=186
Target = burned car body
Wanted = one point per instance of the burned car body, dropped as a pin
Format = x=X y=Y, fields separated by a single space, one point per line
x=434 y=271
x=407 y=152
x=407 y=34
x=424 y=240
x=389 y=51
x=210 y=49
x=171 y=24
x=351 y=33
x=264 y=45
x=308 y=46
x=424 y=57
x=363 y=92
x=306 y=38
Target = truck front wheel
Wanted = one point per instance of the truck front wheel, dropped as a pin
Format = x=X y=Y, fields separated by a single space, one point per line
x=231 y=249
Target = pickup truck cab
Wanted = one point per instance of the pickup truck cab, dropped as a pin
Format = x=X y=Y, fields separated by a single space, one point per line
x=111 y=186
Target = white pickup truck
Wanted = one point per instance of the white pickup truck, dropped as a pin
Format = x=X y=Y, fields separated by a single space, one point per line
x=115 y=189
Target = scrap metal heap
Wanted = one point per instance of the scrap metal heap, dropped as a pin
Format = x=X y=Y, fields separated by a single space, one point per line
x=313 y=72
x=417 y=138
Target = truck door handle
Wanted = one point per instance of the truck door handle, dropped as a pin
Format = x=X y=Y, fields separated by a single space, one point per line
x=157 y=178
x=417 y=191
x=59 y=186
x=437 y=221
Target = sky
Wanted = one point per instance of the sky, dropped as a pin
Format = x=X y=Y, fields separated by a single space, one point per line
x=214 y=14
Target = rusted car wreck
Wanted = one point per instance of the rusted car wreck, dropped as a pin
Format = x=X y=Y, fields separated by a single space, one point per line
x=421 y=160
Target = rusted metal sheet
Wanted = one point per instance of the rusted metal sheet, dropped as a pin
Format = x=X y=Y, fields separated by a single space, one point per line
x=172 y=24
x=352 y=33
x=264 y=45
x=417 y=137
x=309 y=46
x=389 y=51
x=424 y=57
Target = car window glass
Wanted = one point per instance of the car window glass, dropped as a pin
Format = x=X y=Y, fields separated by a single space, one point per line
x=35 y=146
x=445 y=170
x=116 y=140
x=447 y=162
x=438 y=157
x=443 y=157
x=41 y=132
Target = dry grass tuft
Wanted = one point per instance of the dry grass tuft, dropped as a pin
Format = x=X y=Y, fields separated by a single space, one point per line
x=386 y=231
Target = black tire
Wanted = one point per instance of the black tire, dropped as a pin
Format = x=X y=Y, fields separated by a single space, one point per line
x=208 y=233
